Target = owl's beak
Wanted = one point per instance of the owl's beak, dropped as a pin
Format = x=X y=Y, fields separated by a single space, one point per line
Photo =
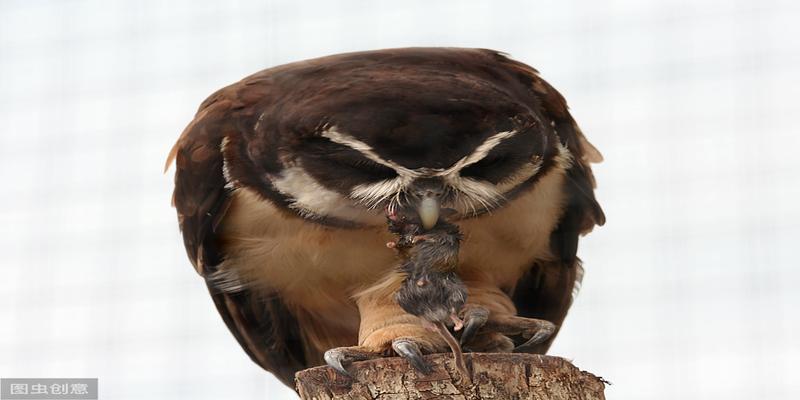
x=429 y=208
x=428 y=193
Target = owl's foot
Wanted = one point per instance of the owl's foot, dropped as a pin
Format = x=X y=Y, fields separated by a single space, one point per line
x=341 y=358
x=536 y=331
x=410 y=350
x=476 y=337
x=475 y=317
x=409 y=341
x=489 y=333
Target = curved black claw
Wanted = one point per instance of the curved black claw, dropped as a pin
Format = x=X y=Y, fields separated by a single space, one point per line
x=410 y=351
x=474 y=319
x=340 y=358
x=336 y=359
x=544 y=332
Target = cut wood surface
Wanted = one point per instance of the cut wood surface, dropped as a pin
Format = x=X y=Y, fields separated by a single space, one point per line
x=492 y=376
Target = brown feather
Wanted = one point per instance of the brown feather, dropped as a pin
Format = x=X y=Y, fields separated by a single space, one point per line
x=263 y=326
x=546 y=291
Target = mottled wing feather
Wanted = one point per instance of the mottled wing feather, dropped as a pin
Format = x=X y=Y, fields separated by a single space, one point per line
x=263 y=327
x=547 y=290
x=266 y=330
x=200 y=197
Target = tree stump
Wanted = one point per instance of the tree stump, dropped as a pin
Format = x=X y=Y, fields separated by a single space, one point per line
x=493 y=376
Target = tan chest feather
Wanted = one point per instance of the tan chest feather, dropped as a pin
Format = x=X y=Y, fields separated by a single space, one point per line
x=319 y=268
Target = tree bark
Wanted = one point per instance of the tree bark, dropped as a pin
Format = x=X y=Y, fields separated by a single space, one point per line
x=493 y=376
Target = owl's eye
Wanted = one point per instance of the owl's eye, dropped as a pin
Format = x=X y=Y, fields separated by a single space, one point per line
x=491 y=169
x=365 y=166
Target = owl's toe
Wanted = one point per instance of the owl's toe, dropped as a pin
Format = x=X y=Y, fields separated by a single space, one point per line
x=410 y=350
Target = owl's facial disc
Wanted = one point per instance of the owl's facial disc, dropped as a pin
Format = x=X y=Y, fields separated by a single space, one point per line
x=475 y=183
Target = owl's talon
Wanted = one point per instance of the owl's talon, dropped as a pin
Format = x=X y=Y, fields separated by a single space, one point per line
x=544 y=330
x=334 y=358
x=474 y=319
x=409 y=350
x=341 y=358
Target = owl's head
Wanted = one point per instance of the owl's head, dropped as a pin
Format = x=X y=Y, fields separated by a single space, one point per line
x=461 y=131
x=466 y=175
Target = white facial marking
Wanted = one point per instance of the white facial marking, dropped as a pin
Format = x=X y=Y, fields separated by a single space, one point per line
x=472 y=192
x=479 y=153
x=312 y=199
x=366 y=150
x=371 y=194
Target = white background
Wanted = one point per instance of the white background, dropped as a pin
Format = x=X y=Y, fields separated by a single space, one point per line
x=690 y=289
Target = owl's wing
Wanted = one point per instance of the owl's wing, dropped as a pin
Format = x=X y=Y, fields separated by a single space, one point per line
x=262 y=326
x=547 y=290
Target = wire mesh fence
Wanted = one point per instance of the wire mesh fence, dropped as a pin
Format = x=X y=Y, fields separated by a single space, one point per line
x=689 y=290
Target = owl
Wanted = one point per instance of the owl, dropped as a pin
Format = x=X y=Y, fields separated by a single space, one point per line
x=283 y=179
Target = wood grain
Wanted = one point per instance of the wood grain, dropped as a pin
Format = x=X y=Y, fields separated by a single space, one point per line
x=493 y=376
